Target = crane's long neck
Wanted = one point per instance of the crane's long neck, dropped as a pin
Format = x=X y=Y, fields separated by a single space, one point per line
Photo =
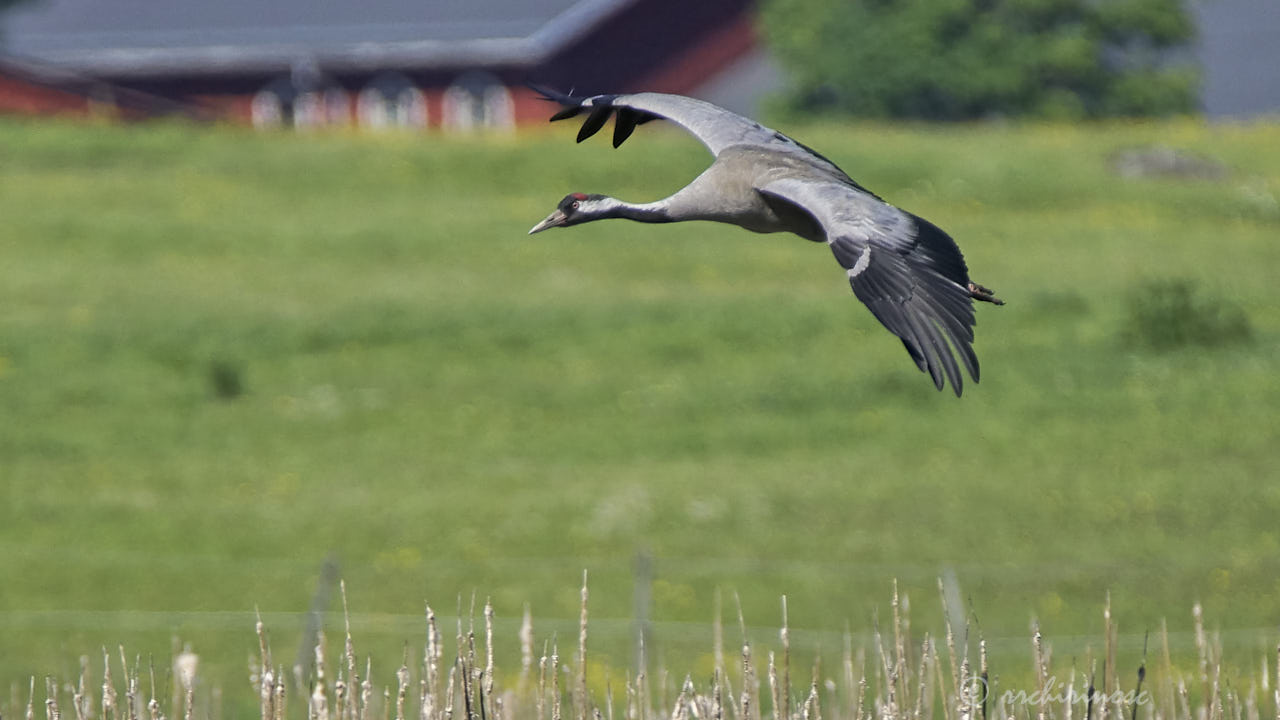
x=659 y=211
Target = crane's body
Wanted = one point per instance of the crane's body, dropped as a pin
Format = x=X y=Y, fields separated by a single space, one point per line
x=908 y=272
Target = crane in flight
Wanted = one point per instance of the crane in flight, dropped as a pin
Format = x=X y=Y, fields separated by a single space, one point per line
x=905 y=269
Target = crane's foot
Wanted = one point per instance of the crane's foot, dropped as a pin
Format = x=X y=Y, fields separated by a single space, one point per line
x=978 y=292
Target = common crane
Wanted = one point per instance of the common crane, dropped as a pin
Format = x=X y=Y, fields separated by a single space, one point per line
x=907 y=271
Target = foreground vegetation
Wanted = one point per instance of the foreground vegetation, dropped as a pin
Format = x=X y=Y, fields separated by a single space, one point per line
x=896 y=676
x=226 y=357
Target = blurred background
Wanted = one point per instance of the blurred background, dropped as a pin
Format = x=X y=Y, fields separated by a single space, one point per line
x=269 y=318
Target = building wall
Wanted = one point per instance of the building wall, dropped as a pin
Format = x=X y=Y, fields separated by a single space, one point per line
x=638 y=47
x=20 y=96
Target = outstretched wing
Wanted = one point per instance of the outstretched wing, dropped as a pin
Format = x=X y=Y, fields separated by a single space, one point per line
x=716 y=127
x=906 y=270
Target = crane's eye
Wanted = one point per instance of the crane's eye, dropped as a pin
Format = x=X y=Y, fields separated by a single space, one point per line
x=574 y=205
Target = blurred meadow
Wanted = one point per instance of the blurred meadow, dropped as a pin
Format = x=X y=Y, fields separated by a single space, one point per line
x=226 y=356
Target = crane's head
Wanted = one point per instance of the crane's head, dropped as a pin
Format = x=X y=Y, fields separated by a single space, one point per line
x=577 y=208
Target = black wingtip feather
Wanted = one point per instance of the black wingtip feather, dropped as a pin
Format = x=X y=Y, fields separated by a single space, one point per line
x=567 y=113
x=572 y=105
x=624 y=125
x=553 y=95
x=941 y=251
x=596 y=120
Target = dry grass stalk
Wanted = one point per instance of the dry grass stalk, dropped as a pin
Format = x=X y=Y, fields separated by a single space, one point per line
x=318 y=705
x=1215 y=668
x=1184 y=700
x=340 y=695
x=186 y=666
x=1202 y=648
x=900 y=666
x=1142 y=674
x=51 y=710
x=153 y=705
x=984 y=674
x=785 y=634
x=580 y=690
x=281 y=709
x=1108 y=661
x=555 y=681
x=1071 y=688
x=488 y=658
x=663 y=684
x=366 y=688
x=906 y=686
x=430 y=683
x=80 y=700
x=1166 y=679
x=31 y=700
x=540 y=700
x=1042 y=670
x=266 y=693
x=723 y=684
x=750 y=699
x=922 y=677
x=632 y=709
x=131 y=687
x=717 y=696
x=681 y=709
x=1090 y=691
x=809 y=710
x=261 y=675
x=402 y=684
x=748 y=702
x=526 y=650
x=608 y=696
x=642 y=686
x=449 y=692
x=717 y=635
x=108 y=688
x=938 y=680
x=951 y=640
x=347 y=707
x=468 y=688
x=773 y=688
x=888 y=705
x=846 y=665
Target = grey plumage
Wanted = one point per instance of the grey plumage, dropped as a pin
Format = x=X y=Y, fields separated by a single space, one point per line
x=906 y=270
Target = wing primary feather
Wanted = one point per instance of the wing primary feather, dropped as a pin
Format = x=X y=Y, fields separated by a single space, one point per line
x=846 y=252
x=915 y=355
x=927 y=335
x=567 y=113
x=595 y=121
x=572 y=105
x=955 y=318
x=960 y=338
x=624 y=124
x=546 y=93
x=948 y=357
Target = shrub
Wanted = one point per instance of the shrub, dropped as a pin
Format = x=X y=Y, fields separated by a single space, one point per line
x=1171 y=313
x=961 y=59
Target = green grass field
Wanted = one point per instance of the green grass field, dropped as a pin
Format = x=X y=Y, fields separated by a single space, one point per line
x=226 y=356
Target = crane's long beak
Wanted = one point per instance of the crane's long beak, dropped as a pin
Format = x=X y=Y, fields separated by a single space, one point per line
x=555 y=219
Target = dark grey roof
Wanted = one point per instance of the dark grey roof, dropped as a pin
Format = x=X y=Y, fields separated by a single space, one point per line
x=147 y=36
